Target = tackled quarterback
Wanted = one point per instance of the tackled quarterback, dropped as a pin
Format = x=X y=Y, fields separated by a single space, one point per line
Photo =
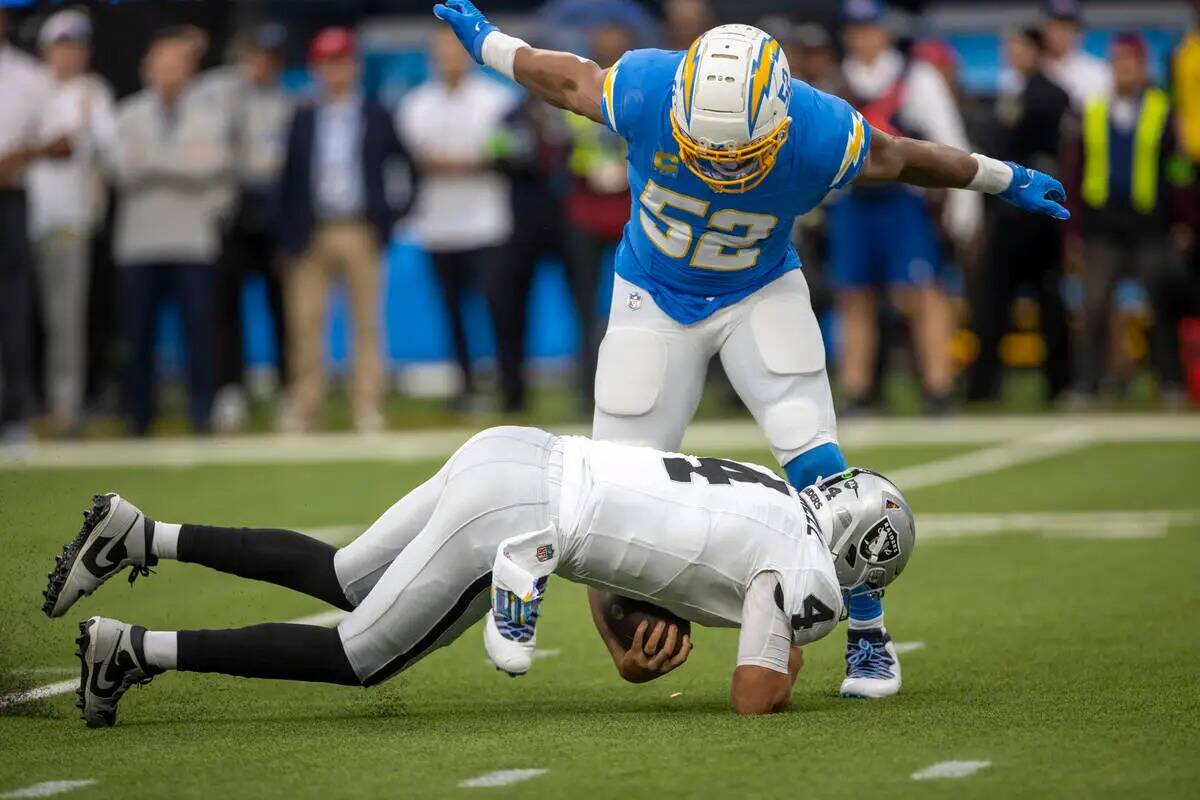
x=712 y=541
x=725 y=150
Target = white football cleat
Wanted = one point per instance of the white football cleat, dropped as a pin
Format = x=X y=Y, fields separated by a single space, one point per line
x=115 y=535
x=509 y=655
x=112 y=660
x=510 y=632
x=872 y=666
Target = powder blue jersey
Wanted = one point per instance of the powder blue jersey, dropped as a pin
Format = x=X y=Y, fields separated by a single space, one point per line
x=696 y=250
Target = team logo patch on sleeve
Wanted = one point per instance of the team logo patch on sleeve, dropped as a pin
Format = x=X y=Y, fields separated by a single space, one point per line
x=854 y=149
x=881 y=544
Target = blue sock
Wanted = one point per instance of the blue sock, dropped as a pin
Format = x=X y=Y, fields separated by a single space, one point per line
x=864 y=606
x=820 y=462
x=804 y=470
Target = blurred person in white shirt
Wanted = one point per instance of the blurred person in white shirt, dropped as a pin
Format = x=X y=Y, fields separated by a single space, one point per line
x=883 y=238
x=462 y=214
x=67 y=199
x=1083 y=75
x=24 y=94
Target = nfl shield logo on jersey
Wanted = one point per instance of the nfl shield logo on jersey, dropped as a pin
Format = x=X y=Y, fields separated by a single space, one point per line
x=545 y=552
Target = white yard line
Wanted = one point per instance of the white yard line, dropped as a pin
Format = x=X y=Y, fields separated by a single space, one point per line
x=950 y=769
x=38 y=693
x=48 y=788
x=1113 y=525
x=503 y=777
x=908 y=647
x=993 y=459
x=407 y=446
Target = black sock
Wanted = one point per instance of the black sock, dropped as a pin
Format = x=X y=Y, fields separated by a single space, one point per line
x=275 y=650
x=285 y=558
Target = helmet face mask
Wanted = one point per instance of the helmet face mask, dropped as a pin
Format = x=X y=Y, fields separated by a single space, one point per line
x=729 y=109
x=868 y=525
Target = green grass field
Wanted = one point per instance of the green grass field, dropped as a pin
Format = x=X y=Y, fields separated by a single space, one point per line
x=1068 y=658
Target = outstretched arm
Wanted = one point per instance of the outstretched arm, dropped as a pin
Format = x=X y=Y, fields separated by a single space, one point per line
x=561 y=79
x=936 y=166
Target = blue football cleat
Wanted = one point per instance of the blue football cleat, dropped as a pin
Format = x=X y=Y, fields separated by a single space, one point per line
x=872 y=666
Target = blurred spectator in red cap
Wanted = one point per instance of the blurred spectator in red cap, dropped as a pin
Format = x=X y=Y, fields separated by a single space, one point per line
x=1128 y=202
x=340 y=196
x=332 y=43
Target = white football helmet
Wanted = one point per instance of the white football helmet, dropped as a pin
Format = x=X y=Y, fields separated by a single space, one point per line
x=867 y=524
x=729 y=111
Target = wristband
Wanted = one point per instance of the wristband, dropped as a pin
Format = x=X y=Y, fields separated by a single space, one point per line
x=499 y=51
x=993 y=176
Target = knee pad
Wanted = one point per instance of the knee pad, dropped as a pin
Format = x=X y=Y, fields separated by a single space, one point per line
x=787 y=335
x=630 y=370
x=792 y=424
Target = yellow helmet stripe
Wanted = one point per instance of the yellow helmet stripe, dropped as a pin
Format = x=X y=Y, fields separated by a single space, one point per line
x=761 y=79
x=854 y=146
x=689 y=77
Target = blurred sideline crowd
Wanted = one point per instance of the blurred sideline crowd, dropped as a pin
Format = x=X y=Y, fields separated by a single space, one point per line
x=181 y=191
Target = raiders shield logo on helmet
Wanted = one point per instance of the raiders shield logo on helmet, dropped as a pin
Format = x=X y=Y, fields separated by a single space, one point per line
x=881 y=544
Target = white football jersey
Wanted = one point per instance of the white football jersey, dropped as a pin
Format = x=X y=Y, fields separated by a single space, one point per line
x=689 y=534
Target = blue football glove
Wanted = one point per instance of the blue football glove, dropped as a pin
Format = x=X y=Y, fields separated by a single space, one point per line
x=468 y=24
x=1035 y=191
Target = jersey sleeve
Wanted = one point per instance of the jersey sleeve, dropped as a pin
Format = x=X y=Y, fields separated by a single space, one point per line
x=814 y=605
x=633 y=88
x=766 y=637
x=835 y=136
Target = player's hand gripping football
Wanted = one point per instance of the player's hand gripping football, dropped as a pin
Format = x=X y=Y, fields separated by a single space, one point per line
x=646 y=660
x=1037 y=192
x=468 y=24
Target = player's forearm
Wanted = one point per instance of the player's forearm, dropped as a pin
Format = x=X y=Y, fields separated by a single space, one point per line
x=596 y=604
x=561 y=79
x=919 y=163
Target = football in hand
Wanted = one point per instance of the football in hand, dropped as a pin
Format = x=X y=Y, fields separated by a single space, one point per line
x=624 y=615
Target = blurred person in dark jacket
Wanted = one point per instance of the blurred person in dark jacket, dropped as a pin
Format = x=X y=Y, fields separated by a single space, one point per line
x=684 y=21
x=597 y=209
x=1130 y=220
x=25 y=91
x=530 y=148
x=171 y=163
x=252 y=94
x=346 y=180
x=1023 y=249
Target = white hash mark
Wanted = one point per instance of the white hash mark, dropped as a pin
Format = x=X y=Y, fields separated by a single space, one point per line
x=502 y=777
x=950 y=769
x=908 y=647
x=48 y=788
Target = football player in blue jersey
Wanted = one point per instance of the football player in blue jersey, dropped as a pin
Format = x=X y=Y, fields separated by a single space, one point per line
x=726 y=149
